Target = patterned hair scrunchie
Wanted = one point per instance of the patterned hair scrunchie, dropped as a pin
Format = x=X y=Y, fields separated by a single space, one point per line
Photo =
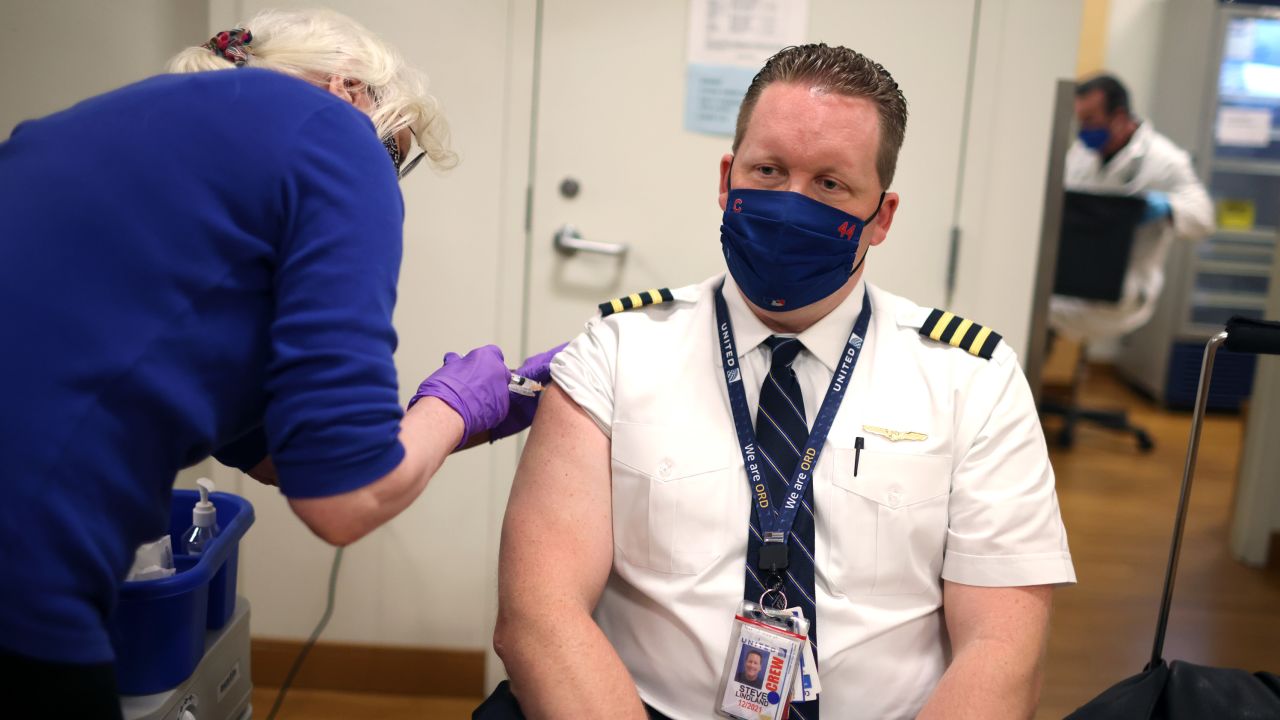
x=231 y=45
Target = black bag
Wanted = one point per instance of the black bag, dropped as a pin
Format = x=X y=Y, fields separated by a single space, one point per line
x=1095 y=244
x=1186 y=691
x=1182 y=690
x=500 y=705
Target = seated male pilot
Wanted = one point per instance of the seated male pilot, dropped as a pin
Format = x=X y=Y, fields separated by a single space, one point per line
x=789 y=435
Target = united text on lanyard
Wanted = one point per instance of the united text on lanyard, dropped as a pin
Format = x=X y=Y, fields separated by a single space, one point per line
x=776 y=521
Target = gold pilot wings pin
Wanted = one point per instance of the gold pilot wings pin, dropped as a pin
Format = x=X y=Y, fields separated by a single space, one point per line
x=894 y=435
x=635 y=300
x=958 y=332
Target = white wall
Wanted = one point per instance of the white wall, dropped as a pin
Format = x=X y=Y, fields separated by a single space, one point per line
x=1134 y=29
x=54 y=53
x=1023 y=49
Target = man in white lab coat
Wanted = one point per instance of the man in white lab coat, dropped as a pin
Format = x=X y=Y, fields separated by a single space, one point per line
x=1117 y=153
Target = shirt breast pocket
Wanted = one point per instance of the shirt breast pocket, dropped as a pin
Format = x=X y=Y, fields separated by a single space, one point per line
x=672 y=497
x=888 y=521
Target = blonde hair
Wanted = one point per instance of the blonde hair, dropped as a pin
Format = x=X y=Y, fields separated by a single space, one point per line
x=314 y=45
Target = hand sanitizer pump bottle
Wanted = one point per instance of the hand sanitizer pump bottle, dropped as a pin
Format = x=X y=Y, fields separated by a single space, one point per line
x=204 y=522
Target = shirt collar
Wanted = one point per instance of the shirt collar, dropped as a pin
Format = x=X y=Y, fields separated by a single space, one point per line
x=825 y=339
x=1135 y=148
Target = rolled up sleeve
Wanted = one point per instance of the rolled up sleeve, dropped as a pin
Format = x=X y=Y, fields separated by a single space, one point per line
x=333 y=414
x=1005 y=528
x=585 y=371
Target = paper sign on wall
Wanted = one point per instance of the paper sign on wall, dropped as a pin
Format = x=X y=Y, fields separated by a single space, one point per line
x=1243 y=127
x=728 y=42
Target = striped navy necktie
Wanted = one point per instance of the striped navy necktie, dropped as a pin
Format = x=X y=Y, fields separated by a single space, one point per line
x=781 y=434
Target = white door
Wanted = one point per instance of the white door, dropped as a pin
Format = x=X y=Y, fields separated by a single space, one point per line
x=610 y=110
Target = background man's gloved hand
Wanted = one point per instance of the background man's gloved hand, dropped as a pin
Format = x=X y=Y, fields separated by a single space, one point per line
x=1158 y=206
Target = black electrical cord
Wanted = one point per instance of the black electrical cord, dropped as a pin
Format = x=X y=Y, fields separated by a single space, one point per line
x=311 y=641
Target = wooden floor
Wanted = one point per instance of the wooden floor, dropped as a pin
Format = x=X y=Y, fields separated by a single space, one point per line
x=1118 y=505
x=307 y=704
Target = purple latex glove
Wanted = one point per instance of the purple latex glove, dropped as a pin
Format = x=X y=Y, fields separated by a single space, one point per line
x=475 y=386
x=520 y=416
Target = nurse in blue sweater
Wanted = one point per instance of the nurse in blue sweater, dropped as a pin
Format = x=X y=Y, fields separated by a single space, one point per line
x=205 y=263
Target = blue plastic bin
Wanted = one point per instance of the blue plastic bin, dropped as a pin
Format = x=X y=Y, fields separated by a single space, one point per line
x=159 y=626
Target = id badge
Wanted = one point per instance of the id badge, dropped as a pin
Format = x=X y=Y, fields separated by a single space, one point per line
x=765 y=652
x=807 y=685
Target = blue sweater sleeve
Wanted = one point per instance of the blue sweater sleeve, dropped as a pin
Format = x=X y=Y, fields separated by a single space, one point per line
x=333 y=412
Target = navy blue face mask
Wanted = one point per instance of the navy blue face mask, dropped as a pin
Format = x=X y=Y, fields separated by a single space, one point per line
x=1094 y=138
x=786 y=250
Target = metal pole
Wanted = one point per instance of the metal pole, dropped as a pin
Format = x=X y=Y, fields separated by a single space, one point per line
x=1184 y=498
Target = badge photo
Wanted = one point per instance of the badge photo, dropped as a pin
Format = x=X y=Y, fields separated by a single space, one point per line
x=751 y=665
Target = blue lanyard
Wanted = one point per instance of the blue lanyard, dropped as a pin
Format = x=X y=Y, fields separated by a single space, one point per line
x=776 y=520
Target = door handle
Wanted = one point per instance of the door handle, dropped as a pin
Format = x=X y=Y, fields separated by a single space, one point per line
x=568 y=242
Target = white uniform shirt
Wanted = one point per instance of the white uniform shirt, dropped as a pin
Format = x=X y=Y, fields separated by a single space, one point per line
x=1149 y=161
x=973 y=503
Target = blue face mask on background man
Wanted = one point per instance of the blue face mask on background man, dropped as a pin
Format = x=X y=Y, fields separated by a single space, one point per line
x=1095 y=138
x=786 y=250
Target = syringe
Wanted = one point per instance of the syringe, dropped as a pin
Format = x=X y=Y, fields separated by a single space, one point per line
x=524 y=386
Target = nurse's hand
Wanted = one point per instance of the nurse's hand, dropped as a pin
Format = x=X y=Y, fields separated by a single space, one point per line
x=474 y=386
x=264 y=472
x=520 y=416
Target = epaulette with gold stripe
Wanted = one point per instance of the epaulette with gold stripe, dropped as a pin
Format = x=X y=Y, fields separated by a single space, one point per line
x=958 y=332
x=635 y=300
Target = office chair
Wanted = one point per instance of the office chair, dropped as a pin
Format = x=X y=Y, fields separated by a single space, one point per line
x=1093 y=258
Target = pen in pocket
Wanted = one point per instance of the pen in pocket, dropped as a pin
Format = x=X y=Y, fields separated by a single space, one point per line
x=857 y=454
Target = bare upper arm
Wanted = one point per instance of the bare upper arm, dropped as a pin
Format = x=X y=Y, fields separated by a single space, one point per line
x=557 y=537
x=1018 y=616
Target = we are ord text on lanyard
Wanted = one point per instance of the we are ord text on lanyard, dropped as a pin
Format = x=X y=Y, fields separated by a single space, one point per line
x=776 y=520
